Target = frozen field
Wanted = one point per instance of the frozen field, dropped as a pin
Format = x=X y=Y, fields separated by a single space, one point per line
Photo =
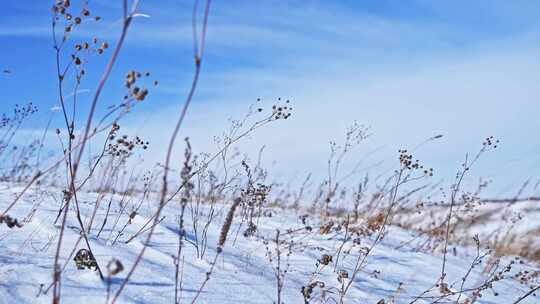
x=394 y=272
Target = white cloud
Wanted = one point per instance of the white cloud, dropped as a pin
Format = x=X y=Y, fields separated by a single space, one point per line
x=463 y=97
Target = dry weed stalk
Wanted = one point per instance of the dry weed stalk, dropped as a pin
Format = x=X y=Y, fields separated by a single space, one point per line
x=275 y=258
x=198 y=56
x=74 y=165
x=403 y=175
x=186 y=196
x=354 y=135
x=221 y=243
x=489 y=143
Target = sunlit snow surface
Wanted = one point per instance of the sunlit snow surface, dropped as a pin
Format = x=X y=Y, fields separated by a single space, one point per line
x=243 y=273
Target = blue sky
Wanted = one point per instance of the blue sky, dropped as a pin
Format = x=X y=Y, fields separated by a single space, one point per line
x=409 y=69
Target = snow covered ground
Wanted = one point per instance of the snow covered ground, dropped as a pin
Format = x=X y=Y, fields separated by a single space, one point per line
x=244 y=273
x=510 y=226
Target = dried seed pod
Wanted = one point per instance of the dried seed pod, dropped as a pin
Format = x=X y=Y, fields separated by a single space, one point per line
x=141 y=95
x=85 y=259
x=114 y=267
x=10 y=222
x=325 y=259
x=227 y=224
x=342 y=275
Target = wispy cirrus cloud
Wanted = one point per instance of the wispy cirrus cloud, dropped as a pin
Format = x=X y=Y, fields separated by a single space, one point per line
x=16 y=31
